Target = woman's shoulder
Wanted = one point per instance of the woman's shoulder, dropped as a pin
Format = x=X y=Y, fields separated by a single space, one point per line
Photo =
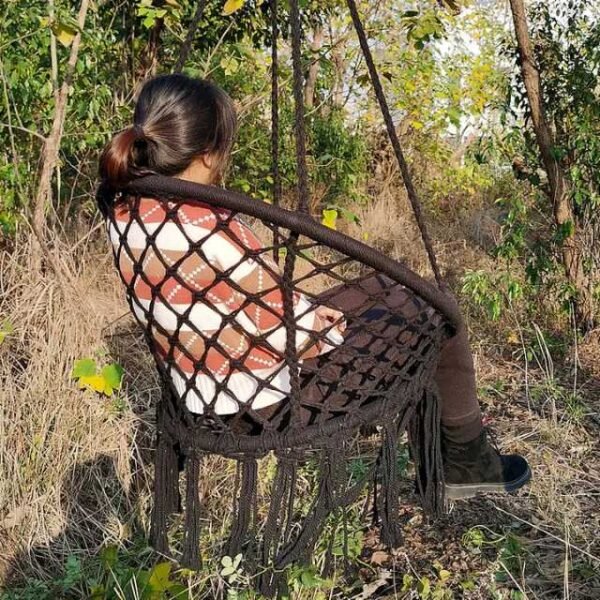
x=157 y=210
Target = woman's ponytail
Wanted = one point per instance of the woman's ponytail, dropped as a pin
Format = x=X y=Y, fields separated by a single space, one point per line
x=118 y=160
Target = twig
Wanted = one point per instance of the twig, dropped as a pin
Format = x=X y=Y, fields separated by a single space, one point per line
x=559 y=539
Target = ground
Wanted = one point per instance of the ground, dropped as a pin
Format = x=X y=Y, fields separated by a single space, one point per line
x=75 y=466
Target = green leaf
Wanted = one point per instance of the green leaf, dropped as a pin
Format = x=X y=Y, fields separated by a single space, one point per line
x=424 y=587
x=85 y=367
x=6 y=329
x=227 y=561
x=109 y=557
x=309 y=579
x=113 y=374
x=407 y=582
x=159 y=577
x=444 y=575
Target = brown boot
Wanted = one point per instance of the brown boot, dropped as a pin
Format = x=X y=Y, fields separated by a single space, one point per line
x=476 y=466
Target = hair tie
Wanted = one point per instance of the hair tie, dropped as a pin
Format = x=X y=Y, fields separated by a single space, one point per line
x=138 y=130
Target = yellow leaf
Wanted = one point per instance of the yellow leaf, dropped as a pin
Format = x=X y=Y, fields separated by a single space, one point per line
x=65 y=34
x=232 y=6
x=95 y=382
x=329 y=218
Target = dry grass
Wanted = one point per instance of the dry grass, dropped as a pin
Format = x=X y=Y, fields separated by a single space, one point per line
x=49 y=428
x=74 y=471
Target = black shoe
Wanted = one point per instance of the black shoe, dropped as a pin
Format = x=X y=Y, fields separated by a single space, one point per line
x=476 y=466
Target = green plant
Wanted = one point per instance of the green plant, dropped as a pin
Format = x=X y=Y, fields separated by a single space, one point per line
x=105 y=381
x=492 y=292
x=307 y=578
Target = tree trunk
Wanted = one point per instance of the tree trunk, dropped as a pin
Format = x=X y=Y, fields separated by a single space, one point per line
x=50 y=150
x=313 y=69
x=339 y=67
x=564 y=218
x=149 y=62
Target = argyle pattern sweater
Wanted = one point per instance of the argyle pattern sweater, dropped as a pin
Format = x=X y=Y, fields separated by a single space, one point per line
x=214 y=302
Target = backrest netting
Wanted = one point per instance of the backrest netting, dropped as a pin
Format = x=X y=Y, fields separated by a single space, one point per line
x=202 y=282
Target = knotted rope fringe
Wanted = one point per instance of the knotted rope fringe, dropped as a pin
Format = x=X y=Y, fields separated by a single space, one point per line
x=244 y=503
x=391 y=534
x=275 y=533
x=329 y=497
x=191 y=541
x=425 y=440
x=166 y=478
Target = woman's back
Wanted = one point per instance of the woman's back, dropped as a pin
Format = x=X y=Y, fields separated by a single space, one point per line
x=215 y=301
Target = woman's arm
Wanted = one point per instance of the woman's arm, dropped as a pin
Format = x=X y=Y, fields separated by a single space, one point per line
x=261 y=298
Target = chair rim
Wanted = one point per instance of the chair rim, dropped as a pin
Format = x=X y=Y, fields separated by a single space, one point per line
x=172 y=187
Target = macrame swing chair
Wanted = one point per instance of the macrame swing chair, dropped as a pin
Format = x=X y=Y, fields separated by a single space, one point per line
x=386 y=381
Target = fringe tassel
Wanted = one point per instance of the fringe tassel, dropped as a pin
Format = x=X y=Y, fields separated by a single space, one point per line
x=166 y=495
x=191 y=541
x=425 y=440
x=166 y=481
x=387 y=503
x=272 y=581
x=243 y=504
x=331 y=482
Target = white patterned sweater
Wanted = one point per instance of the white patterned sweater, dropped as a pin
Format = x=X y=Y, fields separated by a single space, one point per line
x=190 y=294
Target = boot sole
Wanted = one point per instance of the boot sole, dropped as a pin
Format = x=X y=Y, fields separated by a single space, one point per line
x=459 y=491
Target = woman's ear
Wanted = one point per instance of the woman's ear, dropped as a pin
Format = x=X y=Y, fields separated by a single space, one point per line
x=207 y=160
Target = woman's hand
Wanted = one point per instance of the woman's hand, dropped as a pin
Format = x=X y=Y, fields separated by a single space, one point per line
x=329 y=316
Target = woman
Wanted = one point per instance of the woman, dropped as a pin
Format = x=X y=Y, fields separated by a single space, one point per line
x=217 y=314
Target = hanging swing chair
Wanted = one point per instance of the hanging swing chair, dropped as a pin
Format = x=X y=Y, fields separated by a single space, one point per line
x=397 y=322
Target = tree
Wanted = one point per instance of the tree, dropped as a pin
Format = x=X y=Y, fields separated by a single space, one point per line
x=558 y=182
x=52 y=143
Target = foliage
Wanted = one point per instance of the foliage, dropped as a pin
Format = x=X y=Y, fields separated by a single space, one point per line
x=105 y=381
x=107 y=576
x=566 y=43
x=493 y=292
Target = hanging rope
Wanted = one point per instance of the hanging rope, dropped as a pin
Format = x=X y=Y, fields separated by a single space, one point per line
x=301 y=169
x=186 y=46
x=275 y=106
x=389 y=123
x=276 y=189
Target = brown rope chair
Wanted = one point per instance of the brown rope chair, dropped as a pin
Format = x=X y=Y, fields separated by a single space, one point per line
x=381 y=373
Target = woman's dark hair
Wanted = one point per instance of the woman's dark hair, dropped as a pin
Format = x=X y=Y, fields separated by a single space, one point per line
x=176 y=119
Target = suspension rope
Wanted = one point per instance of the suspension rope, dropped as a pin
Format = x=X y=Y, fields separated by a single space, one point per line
x=276 y=174
x=389 y=123
x=186 y=45
x=275 y=107
x=301 y=169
